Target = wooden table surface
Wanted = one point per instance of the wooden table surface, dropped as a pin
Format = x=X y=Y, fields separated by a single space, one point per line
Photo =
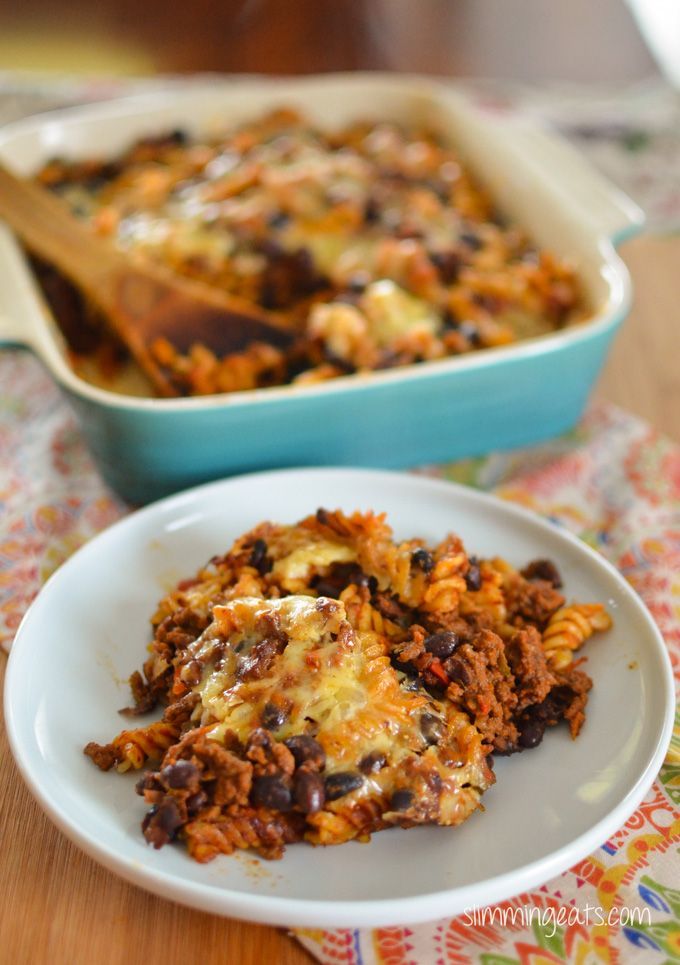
x=60 y=908
x=642 y=373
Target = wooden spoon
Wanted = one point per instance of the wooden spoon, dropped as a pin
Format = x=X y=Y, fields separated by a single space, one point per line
x=140 y=301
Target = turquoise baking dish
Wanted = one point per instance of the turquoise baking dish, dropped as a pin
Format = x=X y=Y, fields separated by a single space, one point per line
x=462 y=406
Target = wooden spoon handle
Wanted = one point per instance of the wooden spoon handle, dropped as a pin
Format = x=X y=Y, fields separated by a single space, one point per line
x=49 y=229
x=141 y=302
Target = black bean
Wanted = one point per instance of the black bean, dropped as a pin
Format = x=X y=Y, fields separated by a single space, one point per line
x=473 y=577
x=309 y=791
x=268 y=297
x=148 y=782
x=402 y=800
x=273 y=717
x=304 y=258
x=470 y=331
x=432 y=728
x=372 y=763
x=450 y=320
x=341 y=783
x=448 y=264
x=356 y=575
x=271 y=791
x=459 y=670
x=423 y=559
x=162 y=822
x=178 y=136
x=442 y=644
x=279 y=220
x=332 y=590
x=371 y=211
x=543 y=570
x=306 y=750
x=180 y=774
x=555 y=704
x=195 y=802
x=357 y=283
x=472 y=240
x=531 y=733
x=149 y=816
x=258 y=557
x=327 y=588
x=322 y=516
x=403 y=666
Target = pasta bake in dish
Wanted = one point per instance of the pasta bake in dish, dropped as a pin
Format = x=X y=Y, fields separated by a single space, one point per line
x=374 y=242
x=322 y=681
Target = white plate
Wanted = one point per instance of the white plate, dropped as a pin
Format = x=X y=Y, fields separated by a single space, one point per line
x=88 y=630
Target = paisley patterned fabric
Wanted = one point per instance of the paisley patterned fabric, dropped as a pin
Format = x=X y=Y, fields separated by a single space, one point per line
x=613 y=481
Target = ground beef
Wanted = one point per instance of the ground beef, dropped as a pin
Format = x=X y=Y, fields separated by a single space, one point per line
x=143 y=696
x=267 y=755
x=233 y=777
x=390 y=607
x=465 y=628
x=532 y=602
x=572 y=692
x=256 y=663
x=543 y=570
x=565 y=701
x=178 y=631
x=180 y=712
x=533 y=678
x=103 y=755
x=481 y=683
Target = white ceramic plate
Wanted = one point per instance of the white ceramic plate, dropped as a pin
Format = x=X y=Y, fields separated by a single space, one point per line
x=88 y=630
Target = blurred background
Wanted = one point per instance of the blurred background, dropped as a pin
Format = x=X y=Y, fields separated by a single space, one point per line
x=603 y=73
x=525 y=40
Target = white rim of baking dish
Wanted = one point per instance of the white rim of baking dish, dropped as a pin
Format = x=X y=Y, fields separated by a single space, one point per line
x=35 y=330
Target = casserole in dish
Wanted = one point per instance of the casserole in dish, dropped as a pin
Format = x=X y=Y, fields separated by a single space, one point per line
x=443 y=409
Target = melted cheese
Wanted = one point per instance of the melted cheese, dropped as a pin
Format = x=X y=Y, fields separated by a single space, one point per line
x=392 y=312
x=301 y=654
x=312 y=557
x=333 y=682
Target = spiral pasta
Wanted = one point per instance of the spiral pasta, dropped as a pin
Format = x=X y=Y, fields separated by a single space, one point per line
x=135 y=747
x=568 y=630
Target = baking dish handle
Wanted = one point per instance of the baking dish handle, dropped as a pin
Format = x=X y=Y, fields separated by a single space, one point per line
x=608 y=209
x=11 y=332
x=21 y=309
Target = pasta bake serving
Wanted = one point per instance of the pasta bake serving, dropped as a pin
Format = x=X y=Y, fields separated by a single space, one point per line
x=374 y=243
x=322 y=681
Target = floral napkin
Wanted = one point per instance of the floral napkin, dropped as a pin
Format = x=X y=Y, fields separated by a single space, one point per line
x=613 y=481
